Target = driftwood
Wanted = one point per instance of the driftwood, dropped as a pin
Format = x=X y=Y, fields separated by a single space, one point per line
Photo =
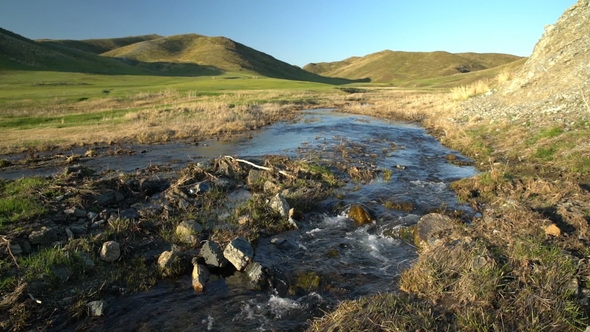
x=259 y=167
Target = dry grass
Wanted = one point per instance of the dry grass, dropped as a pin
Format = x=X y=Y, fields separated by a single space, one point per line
x=464 y=92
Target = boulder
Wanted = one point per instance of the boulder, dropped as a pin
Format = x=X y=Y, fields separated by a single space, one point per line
x=359 y=214
x=110 y=251
x=431 y=229
x=279 y=204
x=96 y=308
x=239 y=252
x=200 y=276
x=213 y=255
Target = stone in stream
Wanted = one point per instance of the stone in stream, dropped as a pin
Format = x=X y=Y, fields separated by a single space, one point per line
x=279 y=204
x=359 y=214
x=110 y=251
x=213 y=255
x=239 y=252
x=257 y=275
x=200 y=276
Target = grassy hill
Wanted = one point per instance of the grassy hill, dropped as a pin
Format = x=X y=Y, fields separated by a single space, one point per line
x=399 y=67
x=98 y=46
x=215 y=52
x=20 y=53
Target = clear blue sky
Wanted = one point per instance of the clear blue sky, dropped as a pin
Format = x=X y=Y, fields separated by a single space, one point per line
x=300 y=31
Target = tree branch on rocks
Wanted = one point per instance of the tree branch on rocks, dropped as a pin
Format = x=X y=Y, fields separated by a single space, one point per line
x=258 y=166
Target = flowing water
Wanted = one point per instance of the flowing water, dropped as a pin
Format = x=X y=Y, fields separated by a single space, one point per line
x=329 y=257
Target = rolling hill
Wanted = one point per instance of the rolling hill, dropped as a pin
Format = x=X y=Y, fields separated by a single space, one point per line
x=216 y=52
x=98 y=46
x=20 y=53
x=397 y=67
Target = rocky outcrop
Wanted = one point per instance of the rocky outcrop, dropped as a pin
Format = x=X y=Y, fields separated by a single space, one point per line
x=279 y=204
x=554 y=82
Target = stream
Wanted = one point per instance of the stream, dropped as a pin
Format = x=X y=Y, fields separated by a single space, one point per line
x=338 y=259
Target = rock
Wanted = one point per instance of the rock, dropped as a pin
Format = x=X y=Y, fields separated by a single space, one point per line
x=255 y=177
x=110 y=251
x=257 y=276
x=16 y=249
x=75 y=212
x=200 y=188
x=359 y=214
x=200 y=276
x=166 y=260
x=552 y=230
x=87 y=260
x=270 y=187
x=44 y=236
x=96 y=308
x=213 y=255
x=244 y=220
x=431 y=229
x=150 y=186
x=239 y=252
x=109 y=197
x=224 y=184
x=26 y=246
x=188 y=231
x=130 y=213
x=279 y=204
x=92 y=216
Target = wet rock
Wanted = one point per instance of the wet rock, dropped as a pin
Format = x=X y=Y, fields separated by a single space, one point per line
x=188 y=231
x=44 y=236
x=258 y=278
x=110 y=251
x=405 y=233
x=431 y=229
x=359 y=214
x=239 y=252
x=279 y=204
x=200 y=276
x=200 y=188
x=96 y=308
x=213 y=255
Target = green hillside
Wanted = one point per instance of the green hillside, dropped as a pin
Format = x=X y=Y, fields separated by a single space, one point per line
x=399 y=67
x=214 y=52
x=98 y=46
x=20 y=53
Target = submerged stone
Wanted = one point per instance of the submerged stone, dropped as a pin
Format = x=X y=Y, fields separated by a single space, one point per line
x=359 y=214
